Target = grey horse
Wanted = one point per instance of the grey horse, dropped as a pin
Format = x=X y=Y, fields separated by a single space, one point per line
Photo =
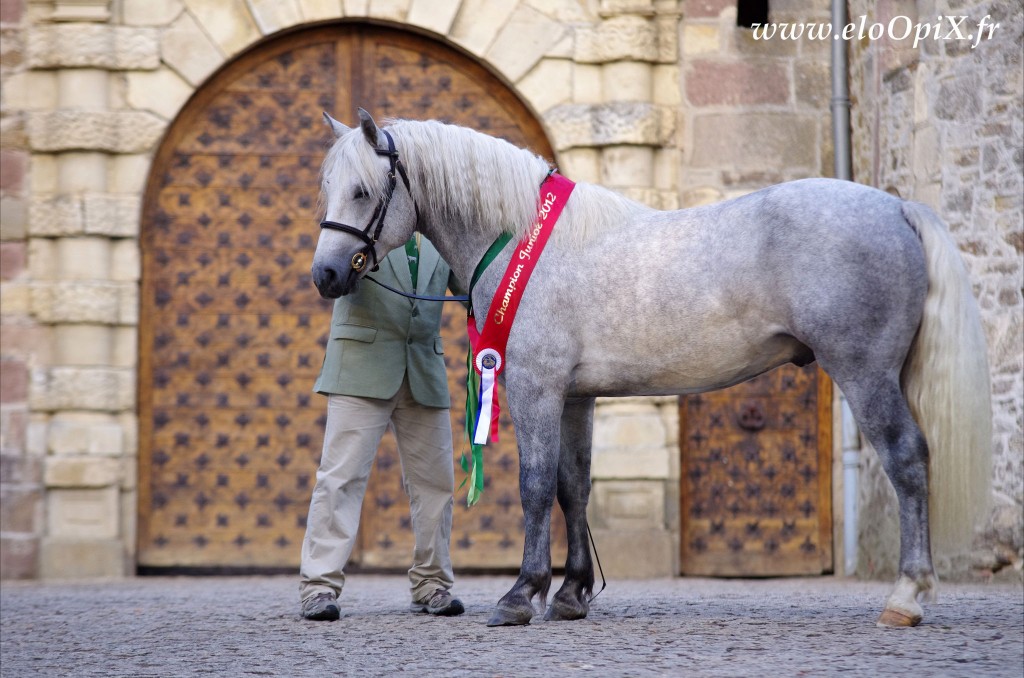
x=627 y=300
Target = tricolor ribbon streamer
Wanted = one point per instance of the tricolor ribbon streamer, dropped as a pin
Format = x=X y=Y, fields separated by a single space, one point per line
x=487 y=348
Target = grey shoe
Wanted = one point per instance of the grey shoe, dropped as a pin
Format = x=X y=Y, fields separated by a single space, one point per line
x=440 y=603
x=321 y=607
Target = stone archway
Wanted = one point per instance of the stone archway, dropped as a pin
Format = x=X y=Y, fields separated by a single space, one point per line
x=231 y=331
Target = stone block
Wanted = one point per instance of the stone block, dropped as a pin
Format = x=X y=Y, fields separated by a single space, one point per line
x=73 y=558
x=15 y=467
x=31 y=90
x=13 y=380
x=12 y=259
x=21 y=508
x=522 y=42
x=356 y=7
x=636 y=554
x=627 y=81
x=666 y=169
x=315 y=10
x=581 y=164
x=79 y=388
x=124 y=260
x=13 y=218
x=13 y=170
x=274 y=15
x=622 y=37
x=228 y=22
x=89 y=433
x=82 y=472
x=434 y=15
x=628 y=504
x=705 y=9
x=609 y=124
x=812 y=83
x=740 y=41
x=549 y=84
x=83 y=513
x=50 y=216
x=666 y=86
x=150 y=12
x=83 y=88
x=163 y=91
x=718 y=83
x=13 y=438
x=627 y=165
x=126 y=175
x=116 y=216
x=700 y=39
x=84 y=345
x=19 y=555
x=479 y=22
x=564 y=11
x=587 y=84
x=389 y=10
x=629 y=463
x=83 y=258
x=754 y=141
x=110 y=131
x=111 y=303
x=79 y=172
x=186 y=48
x=16 y=298
x=90 y=45
x=45 y=174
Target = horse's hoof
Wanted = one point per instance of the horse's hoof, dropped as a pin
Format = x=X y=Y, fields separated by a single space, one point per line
x=894 y=619
x=566 y=610
x=504 y=616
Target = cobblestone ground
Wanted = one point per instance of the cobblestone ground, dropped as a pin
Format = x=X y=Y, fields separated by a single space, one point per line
x=245 y=626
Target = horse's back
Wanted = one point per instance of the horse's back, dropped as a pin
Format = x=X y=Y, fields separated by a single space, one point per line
x=709 y=296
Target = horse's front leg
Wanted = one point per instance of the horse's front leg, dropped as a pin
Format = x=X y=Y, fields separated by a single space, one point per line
x=573 y=599
x=536 y=415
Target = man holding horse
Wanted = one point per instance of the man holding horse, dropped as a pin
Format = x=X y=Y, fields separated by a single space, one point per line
x=384 y=367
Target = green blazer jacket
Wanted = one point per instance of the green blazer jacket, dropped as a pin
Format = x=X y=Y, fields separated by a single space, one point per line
x=378 y=337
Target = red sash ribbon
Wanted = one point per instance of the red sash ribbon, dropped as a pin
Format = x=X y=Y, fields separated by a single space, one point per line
x=489 y=345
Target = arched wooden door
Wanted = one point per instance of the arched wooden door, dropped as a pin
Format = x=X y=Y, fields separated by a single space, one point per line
x=231 y=329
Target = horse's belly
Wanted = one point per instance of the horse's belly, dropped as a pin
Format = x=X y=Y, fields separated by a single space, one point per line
x=691 y=367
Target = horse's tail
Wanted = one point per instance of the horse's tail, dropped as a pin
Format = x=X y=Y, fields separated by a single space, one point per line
x=946 y=382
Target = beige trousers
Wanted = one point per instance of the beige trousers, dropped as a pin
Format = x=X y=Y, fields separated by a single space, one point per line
x=351 y=437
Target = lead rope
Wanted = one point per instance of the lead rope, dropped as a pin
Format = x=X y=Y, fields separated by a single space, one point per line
x=604 y=582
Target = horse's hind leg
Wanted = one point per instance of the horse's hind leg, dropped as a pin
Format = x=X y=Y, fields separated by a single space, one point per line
x=573 y=599
x=884 y=417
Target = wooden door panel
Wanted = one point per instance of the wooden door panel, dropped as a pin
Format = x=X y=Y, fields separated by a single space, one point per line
x=232 y=331
x=756 y=477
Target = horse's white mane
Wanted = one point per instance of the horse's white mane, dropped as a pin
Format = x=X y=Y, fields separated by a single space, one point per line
x=460 y=174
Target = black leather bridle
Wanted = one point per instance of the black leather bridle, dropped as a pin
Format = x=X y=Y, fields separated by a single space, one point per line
x=371 y=233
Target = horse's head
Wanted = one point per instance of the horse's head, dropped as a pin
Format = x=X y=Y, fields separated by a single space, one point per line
x=368 y=209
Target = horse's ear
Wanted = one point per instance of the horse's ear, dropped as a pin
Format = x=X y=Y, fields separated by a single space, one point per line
x=336 y=127
x=369 y=127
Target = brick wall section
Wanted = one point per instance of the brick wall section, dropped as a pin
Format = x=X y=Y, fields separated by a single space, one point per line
x=755 y=112
x=21 y=490
x=942 y=124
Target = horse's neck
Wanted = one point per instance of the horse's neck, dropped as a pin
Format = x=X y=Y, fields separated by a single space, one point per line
x=461 y=245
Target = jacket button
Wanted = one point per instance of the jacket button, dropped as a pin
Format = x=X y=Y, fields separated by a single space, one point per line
x=415 y=312
x=410 y=342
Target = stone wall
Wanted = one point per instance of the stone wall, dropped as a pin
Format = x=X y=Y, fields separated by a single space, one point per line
x=942 y=123
x=90 y=86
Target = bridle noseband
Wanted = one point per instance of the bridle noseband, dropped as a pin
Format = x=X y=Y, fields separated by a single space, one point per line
x=376 y=222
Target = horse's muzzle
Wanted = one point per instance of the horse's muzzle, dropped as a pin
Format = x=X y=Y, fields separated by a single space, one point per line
x=333 y=283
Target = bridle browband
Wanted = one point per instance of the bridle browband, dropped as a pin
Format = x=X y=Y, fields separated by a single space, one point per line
x=376 y=222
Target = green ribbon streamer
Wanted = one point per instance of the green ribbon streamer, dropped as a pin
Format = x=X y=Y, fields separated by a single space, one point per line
x=474 y=468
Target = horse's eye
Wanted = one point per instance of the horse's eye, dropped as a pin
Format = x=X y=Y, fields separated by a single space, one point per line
x=360 y=194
